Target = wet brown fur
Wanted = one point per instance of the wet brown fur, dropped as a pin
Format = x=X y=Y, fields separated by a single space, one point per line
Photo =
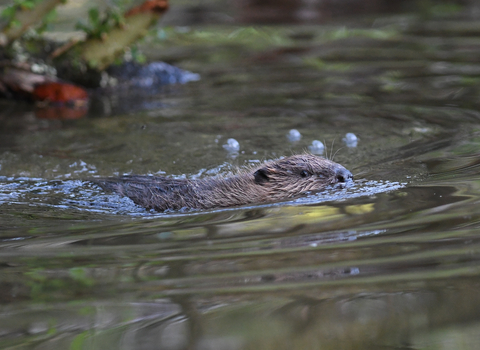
x=272 y=181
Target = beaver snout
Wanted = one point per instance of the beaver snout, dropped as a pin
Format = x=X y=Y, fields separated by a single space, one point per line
x=343 y=175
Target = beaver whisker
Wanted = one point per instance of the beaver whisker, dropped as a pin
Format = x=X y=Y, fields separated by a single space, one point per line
x=331 y=150
x=360 y=173
x=326 y=149
x=336 y=153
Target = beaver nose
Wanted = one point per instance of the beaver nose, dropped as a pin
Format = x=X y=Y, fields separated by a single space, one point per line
x=343 y=175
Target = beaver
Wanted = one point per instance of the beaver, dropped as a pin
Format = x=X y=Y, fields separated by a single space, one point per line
x=270 y=182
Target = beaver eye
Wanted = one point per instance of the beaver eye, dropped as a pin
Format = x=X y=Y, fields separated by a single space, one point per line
x=304 y=173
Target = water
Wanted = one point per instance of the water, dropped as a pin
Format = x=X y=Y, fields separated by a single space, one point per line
x=391 y=261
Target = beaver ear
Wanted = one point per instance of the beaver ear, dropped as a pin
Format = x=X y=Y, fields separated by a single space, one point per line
x=261 y=176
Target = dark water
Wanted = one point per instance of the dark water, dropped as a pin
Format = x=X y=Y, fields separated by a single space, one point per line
x=392 y=261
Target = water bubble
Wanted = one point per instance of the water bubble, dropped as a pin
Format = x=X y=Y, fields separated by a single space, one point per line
x=350 y=139
x=232 y=145
x=294 y=135
x=317 y=147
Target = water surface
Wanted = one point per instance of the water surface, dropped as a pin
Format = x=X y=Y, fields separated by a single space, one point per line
x=391 y=261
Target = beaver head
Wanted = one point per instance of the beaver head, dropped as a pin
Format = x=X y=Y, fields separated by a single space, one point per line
x=297 y=174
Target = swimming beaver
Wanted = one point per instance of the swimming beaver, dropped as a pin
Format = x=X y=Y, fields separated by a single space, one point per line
x=269 y=182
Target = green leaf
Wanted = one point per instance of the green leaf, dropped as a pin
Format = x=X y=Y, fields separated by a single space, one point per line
x=28 y=5
x=94 y=16
x=8 y=12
